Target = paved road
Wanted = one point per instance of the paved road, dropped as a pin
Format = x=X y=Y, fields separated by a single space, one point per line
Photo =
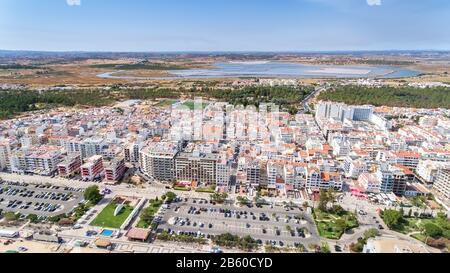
x=135 y=247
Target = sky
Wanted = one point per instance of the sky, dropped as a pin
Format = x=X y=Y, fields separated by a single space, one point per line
x=224 y=25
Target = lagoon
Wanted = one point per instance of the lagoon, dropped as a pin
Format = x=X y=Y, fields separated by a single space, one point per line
x=281 y=70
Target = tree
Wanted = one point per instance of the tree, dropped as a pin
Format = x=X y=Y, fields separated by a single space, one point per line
x=92 y=194
x=325 y=197
x=242 y=200
x=371 y=233
x=339 y=210
x=433 y=230
x=147 y=216
x=219 y=197
x=170 y=196
x=323 y=200
x=341 y=224
x=33 y=218
x=392 y=218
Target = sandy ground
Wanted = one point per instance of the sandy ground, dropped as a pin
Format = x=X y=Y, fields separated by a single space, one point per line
x=32 y=246
x=42 y=247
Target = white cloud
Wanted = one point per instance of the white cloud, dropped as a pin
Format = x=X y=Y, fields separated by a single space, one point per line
x=73 y=2
x=374 y=2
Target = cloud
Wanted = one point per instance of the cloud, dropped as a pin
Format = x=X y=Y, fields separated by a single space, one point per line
x=374 y=2
x=73 y=2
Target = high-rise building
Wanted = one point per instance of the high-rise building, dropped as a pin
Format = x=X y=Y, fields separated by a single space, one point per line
x=196 y=166
x=223 y=172
x=157 y=160
x=339 y=111
x=392 y=179
x=5 y=152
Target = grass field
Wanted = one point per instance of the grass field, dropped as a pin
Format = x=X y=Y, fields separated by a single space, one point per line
x=328 y=227
x=191 y=105
x=106 y=217
x=165 y=103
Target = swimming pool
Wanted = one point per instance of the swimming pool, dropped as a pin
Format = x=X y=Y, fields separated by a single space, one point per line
x=107 y=232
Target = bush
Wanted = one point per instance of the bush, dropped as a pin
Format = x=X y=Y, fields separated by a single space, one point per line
x=11 y=216
x=33 y=218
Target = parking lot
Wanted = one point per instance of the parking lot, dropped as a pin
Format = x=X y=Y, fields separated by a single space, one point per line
x=271 y=225
x=42 y=200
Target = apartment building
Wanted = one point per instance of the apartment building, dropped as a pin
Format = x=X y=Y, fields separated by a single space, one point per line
x=131 y=152
x=354 y=167
x=318 y=180
x=223 y=172
x=442 y=183
x=40 y=161
x=93 y=168
x=5 y=152
x=340 y=111
x=393 y=179
x=157 y=160
x=196 y=166
x=70 y=166
x=115 y=169
x=86 y=147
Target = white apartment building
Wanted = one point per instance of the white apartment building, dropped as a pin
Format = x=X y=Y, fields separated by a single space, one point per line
x=369 y=182
x=87 y=147
x=442 y=183
x=223 y=172
x=339 y=111
x=37 y=161
x=157 y=160
x=354 y=167
x=427 y=169
x=318 y=180
x=5 y=152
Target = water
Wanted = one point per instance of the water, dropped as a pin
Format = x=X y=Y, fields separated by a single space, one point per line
x=282 y=70
x=107 y=233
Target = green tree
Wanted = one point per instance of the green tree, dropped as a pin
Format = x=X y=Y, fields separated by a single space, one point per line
x=170 y=196
x=432 y=230
x=371 y=233
x=341 y=224
x=92 y=194
x=392 y=218
x=33 y=218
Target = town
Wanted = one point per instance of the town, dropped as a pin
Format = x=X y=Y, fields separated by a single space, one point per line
x=143 y=176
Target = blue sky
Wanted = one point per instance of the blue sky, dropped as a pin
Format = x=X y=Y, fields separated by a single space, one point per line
x=224 y=25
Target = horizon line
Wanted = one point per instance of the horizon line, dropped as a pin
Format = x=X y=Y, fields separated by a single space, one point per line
x=227 y=51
